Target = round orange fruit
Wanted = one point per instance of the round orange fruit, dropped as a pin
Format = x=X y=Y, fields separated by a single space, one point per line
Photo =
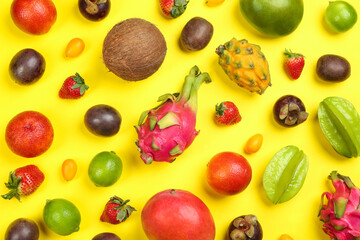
x=228 y=173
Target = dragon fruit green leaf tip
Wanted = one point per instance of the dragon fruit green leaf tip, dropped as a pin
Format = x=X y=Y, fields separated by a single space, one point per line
x=341 y=214
x=165 y=131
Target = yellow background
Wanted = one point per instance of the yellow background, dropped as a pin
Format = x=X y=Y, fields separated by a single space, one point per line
x=297 y=217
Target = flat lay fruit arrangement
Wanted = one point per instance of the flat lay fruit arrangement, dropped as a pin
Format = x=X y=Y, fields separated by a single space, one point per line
x=181 y=120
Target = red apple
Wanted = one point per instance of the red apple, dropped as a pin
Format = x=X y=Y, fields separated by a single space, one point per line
x=177 y=215
x=33 y=16
x=29 y=134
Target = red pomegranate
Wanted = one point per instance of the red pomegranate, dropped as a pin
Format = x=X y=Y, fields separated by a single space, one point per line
x=177 y=215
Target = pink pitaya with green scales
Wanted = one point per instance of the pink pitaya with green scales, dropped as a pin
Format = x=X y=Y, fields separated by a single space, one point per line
x=341 y=214
x=170 y=127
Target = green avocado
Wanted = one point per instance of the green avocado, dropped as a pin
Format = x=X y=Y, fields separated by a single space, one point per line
x=273 y=18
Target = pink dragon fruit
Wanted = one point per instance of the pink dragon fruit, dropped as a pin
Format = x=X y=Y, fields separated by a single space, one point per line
x=341 y=214
x=170 y=127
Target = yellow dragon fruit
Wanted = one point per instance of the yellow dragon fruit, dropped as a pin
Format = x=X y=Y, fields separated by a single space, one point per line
x=245 y=64
x=341 y=213
x=170 y=127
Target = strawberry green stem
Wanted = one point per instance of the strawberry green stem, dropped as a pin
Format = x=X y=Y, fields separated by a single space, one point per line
x=12 y=193
x=289 y=54
x=80 y=83
x=13 y=185
x=125 y=210
x=178 y=8
x=220 y=108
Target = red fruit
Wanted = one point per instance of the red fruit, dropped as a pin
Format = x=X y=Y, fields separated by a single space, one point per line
x=294 y=64
x=227 y=113
x=33 y=16
x=73 y=87
x=23 y=181
x=228 y=173
x=116 y=211
x=173 y=8
x=177 y=215
x=29 y=134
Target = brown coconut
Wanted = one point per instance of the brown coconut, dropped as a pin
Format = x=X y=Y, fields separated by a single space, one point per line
x=134 y=49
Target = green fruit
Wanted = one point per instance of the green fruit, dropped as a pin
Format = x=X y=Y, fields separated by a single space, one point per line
x=273 y=18
x=61 y=216
x=105 y=169
x=285 y=174
x=340 y=123
x=340 y=16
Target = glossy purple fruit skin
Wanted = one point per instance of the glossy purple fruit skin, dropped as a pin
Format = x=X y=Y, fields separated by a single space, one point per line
x=94 y=10
x=333 y=68
x=22 y=229
x=196 y=34
x=27 y=66
x=106 y=236
x=103 y=120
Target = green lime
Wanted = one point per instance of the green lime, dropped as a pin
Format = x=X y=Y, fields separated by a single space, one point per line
x=340 y=16
x=61 y=216
x=105 y=169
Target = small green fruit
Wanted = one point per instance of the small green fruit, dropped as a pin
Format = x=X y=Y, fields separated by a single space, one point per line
x=105 y=169
x=285 y=174
x=340 y=123
x=61 y=216
x=340 y=16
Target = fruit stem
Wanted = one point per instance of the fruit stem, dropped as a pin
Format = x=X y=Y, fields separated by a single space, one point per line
x=13 y=185
x=290 y=54
x=220 y=108
x=188 y=94
x=336 y=176
x=192 y=101
x=186 y=89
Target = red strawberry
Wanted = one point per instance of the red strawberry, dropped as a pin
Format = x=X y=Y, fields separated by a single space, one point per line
x=173 y=8
x=23 y=181
x=294 y=64
x=73 y=87
x=116 y=211
x=227 y=113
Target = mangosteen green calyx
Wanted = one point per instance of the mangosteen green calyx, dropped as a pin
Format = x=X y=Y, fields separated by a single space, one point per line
x=134 y=49
x=245 y=227
x=290 y=111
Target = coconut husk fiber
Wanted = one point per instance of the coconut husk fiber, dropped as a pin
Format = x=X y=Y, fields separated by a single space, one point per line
x=134 y=49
